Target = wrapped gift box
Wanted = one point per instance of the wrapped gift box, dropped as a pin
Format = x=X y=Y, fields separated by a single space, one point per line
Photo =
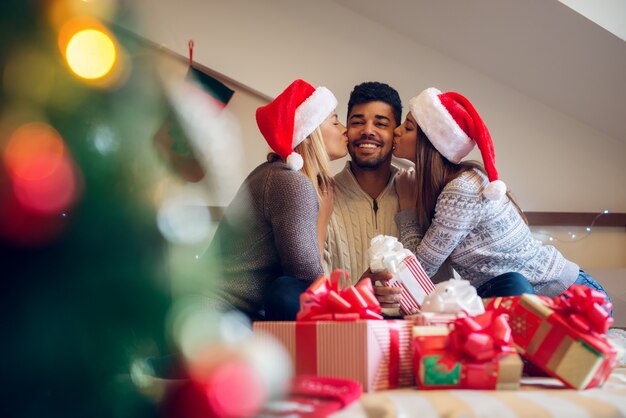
x=503 y=304
x=434 y=318
x=439 y=366
x=375 y=353
x=451 y=299
x=454 y=296
x=386 y=253
x=579 y=358
x=500 y=304
x=415 y=284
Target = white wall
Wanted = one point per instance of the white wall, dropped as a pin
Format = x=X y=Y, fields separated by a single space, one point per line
x=551 y=161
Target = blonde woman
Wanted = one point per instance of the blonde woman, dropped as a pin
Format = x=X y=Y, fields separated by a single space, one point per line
x=326 y=143
x=267 y=246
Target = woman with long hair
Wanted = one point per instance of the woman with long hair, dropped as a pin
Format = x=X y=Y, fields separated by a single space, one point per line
x=267 y=248
x=461 y=211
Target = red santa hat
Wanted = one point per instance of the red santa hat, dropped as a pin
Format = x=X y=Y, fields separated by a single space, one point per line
x=454 y=127
x=292 y=117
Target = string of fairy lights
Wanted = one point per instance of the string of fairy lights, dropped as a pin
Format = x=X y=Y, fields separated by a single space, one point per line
x=573 y=237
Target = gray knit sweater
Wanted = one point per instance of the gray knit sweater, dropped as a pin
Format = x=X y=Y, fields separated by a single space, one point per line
x=269 y=230
x=484 y=239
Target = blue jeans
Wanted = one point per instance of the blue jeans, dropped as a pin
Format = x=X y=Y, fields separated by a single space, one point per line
x=507 y=284
x=587 y=280
x=282 y=298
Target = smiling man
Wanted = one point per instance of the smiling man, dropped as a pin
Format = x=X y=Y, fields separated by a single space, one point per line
x=365 y=197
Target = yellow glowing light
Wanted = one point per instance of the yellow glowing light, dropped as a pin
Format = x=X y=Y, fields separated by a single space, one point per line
x=91 y=54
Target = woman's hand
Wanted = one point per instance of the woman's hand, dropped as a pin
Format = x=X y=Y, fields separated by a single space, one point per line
x=327 y=201
x=327 y=192
x=406 y=189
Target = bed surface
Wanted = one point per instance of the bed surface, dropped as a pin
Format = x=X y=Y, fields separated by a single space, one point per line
x=538 y=397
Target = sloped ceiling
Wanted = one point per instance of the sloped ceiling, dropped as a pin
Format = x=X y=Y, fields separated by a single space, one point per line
x=541 y=48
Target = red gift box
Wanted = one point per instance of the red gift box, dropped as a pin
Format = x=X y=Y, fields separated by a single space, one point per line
x=473 y=353
x=564 y=336
x=339 y=332
x=503 y=304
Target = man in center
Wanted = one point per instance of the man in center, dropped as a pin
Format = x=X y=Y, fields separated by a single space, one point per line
x=365 y=197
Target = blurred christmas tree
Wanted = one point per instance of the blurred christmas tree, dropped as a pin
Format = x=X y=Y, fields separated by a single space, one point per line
x=83 y=264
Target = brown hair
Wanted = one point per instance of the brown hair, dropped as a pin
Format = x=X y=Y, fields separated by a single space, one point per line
x=433 y=171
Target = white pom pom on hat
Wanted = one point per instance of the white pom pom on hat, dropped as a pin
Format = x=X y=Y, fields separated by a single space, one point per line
x=292 y=116
x=454 y=127
x=294 y=161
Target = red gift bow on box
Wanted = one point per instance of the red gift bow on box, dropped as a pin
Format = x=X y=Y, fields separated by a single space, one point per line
x=584 y=308
x=324 y=300
x=478 y=339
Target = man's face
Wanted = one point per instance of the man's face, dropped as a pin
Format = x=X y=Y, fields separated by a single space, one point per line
x=370 y=134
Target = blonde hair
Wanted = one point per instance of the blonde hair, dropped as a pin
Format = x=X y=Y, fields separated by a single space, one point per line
x=316 y=162
x=315 y=157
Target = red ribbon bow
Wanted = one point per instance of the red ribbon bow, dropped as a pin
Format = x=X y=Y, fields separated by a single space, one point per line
x=479 y=339
x=324 y=300
x=584 y=308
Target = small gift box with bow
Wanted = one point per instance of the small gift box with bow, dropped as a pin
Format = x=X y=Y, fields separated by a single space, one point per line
x=339 y=332
x=386 y=253
x=451 y=299
x=564 y=336
x=471 y=353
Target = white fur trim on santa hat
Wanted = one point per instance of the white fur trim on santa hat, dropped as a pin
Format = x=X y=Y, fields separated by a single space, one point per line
x=295 y=161
x=311 y=113
x=495 y=190
x=439 y=126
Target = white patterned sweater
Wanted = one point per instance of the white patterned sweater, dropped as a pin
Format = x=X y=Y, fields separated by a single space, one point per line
x=484 y=239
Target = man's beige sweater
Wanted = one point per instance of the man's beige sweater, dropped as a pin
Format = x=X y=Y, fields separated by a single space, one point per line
x=356 y=219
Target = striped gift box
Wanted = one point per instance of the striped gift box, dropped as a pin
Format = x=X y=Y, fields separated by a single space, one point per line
x=377 y=354
x=414 y=282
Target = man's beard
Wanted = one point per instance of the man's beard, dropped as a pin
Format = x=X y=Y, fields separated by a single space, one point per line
x=370 y=163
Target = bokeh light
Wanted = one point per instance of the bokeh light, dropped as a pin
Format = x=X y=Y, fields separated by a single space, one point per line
x=41 y=171
x=33 y=151
x=233 y=370
x=50 y=194
x=193 y=326
x=59 y=11
x=91 y=54
x=235 y=390
x=184 y=218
